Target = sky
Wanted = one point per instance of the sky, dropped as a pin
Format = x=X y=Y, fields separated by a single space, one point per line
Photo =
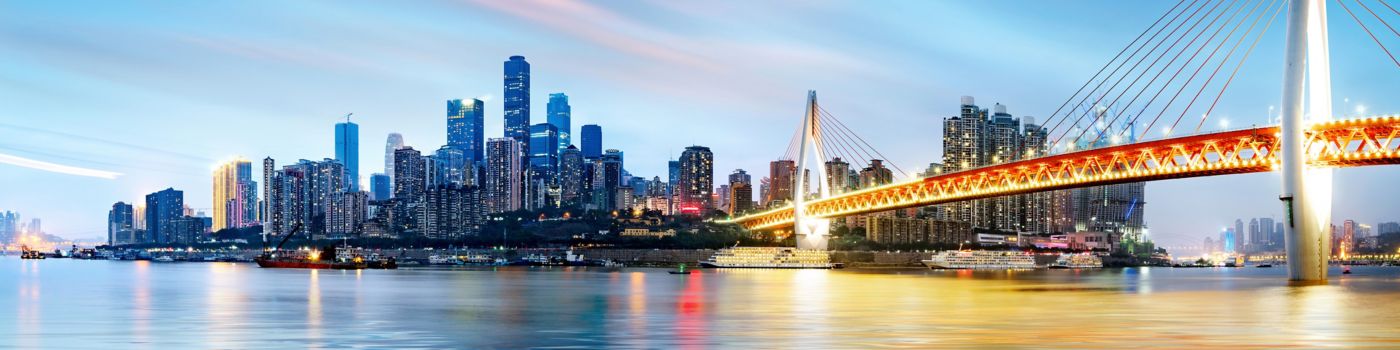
x=107 y=101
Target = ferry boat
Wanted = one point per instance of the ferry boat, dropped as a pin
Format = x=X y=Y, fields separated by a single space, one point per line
x=29 y=254
x=980 y=259
x=312 y=259
x=770 y=258
x=1077 y=261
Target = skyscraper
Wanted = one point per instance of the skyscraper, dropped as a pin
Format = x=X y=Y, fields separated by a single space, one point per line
x=503 y=175
x=119 y=224
x=379 y=187
x=559 y=112
x=571 y=177
x=301 y=192
x=697 y=180
x=394 y=142
x=347 y=151
x=606 y=180
x=466 y=127
x=517 y=101
x=591 y=141
x=265 y=205
x=162 y=209
x=410 y=174
x=544 y=157
x=235 y=195
x=782 y=175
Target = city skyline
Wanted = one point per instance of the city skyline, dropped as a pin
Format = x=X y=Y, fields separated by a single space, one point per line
x=297 y=121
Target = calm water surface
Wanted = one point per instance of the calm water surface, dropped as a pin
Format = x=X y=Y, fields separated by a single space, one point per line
x=59 y=303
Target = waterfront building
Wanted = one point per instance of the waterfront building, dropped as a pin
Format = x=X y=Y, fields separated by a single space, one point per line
x=301 y=193
x=9 y=226
x=740 y=197
x=188 y=229
x=782 y=177
x=347 y=151
x=697 y=180
x=269 y=166
x=517 y=102
x=1241 y=236
x=571 y=172
x=162 y=209
x=235 y=195
x=410 y=180
x=544 y=153
x=503 y=175
x=452 y=211
x=1384 y=228
x=379 y=186
x=591 y=141
x=606 y=179
x=558 y=114
x=119 y=224
x=837 y=180
x=449 y=165
x=393 y=143
x=344 y=213
x=466 y=122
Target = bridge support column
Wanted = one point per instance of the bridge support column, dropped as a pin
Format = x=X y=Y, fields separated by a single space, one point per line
x=1307 y=191
x=811 y=233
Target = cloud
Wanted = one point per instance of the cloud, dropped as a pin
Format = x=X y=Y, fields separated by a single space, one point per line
x=56 y=168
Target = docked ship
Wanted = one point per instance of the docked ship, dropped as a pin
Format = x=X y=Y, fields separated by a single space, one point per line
x=30 y=254
x=980 y=259
x=770 y=258
x=313 y=259
x=1077 y=261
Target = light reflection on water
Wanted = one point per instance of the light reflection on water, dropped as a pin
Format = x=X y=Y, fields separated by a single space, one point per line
x=115 y=305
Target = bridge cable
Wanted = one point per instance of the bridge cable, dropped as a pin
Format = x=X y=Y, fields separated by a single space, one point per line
x=855 y=150
x=1368 y=32
x=1188 y=46
x=1188 y=62
x=1392 y=9
x=1053 y=128
x=1378 y=17
x=1120 y=54
x=862 y=140
x=1154 y=49
x=1135 y=116
x=1057 y=125
x=1247 y=52
x=1184 y=85
x=1214 y=73
x=792 y=143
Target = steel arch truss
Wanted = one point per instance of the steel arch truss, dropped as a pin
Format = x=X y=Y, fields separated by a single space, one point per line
x=1344 y=143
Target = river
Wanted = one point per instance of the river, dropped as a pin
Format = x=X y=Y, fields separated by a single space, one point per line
x=61 y=303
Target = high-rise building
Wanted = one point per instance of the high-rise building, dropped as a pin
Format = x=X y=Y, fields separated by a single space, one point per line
x=782 y=177
x=162 y=209
x=544 y=155
x=591 y=141
x=347 y=151
x=1241 y=236
x=517 y=101
x=449 y=165
x=344 y=214
x=740 y=192
x=119 y=225
x=452 y=211
x=571 y=177
x=301 y=192
x=1384 y=228
x=265 y=205
x=411 y=172
x=876 y=174
x=9 y=226
x=379 y=187
x=837 y=180
x=394 y=143
x=606 y=180
x=503 y=175
x=466 y=127
x=235 y=195
x=559 y=115
x=697 y=180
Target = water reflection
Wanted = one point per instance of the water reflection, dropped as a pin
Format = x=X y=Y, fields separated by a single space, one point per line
x=115 y=305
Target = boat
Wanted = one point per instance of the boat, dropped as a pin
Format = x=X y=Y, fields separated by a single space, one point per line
x=680 y=270
x=30 y=254
x=164 y=258
x=1077 y=261
x=1263 y=265
x=769 y=258
x=980 y=259
x=312 y=260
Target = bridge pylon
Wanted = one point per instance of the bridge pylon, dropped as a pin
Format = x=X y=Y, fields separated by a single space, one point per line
x=811 y=233
x=1307 y=190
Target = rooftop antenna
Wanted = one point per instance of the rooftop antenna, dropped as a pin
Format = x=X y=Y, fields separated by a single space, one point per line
x=347 y=116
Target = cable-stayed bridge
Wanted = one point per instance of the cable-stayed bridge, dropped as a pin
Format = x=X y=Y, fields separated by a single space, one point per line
x=1180 y=66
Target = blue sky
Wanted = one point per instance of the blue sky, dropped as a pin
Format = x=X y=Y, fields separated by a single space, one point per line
x=160 y=91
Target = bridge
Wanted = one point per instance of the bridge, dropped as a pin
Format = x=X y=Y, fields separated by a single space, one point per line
x=1304 y=147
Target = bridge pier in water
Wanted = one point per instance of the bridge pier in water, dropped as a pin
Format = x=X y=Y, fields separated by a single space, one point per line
x=811 y=233
x=1307 y=190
